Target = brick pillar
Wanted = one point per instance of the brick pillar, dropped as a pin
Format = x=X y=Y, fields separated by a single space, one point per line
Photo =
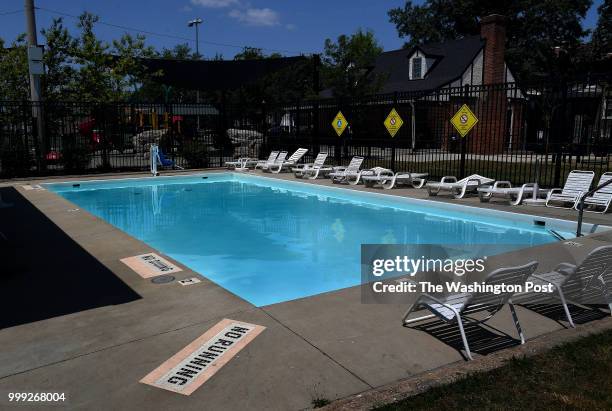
x=493 y=31
x=490 y=133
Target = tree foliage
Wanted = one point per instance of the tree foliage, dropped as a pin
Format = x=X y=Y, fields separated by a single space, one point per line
x=602 y=35
x=253 y=53
x=347 y=63
x=14 y=79
x=78 y=67
x=534 y=27
x=60 y=79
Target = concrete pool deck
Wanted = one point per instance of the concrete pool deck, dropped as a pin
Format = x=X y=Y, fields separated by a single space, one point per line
x=323 y=347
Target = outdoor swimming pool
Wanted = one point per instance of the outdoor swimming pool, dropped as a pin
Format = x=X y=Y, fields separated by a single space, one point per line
x=268 y=240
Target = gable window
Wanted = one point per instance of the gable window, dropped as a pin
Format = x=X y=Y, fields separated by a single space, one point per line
x=417 y=68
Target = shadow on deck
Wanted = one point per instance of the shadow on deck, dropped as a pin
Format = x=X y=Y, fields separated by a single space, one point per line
x=44 y=273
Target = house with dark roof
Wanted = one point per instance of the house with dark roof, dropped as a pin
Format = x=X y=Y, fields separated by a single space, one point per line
x=473 y=60
x=436 y=65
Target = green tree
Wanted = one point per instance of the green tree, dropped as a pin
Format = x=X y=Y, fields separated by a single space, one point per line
x=534 y=27
x=602 y=35
x=179 y=52
x=59 y=80
x=14 y=77
x=95 y=81
x=129 y=72
x=346 y=64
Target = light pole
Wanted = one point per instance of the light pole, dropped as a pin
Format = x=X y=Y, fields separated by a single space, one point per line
x=35 y=53
x=195 y=23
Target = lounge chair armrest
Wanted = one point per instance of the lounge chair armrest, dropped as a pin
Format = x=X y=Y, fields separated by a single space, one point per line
x=430 y=297
x=542 y=278
x=408 y=173
x=576 y=197
x=502 y=184
x=448 y=179
x=474 y=179
x=552 y=192
x=566 y=268
x=433 y=299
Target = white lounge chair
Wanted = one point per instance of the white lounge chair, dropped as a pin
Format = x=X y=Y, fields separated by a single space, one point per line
x=578 y=183
x=277 y=167
x=459 y=188
x=458 y=307
x=388 y=179
x=504 y=189
x=304 y=170
x=601 y=199
x=242 y=163
x=340 y=174
x=270 y=160
x=590 y=281
x=277 y=163
x=355 y=178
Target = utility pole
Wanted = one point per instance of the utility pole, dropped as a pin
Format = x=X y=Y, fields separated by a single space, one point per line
x=35 y=67
x=196 y=23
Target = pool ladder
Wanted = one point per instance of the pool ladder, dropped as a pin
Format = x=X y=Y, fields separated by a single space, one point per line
x=581 y=206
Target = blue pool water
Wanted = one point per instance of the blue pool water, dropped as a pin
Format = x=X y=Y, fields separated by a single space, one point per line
x=270 y=241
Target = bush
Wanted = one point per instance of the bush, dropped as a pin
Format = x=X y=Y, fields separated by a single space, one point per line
x=75 y=154
x=196 y=155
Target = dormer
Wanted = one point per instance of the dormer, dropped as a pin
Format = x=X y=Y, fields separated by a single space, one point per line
x=419 y=64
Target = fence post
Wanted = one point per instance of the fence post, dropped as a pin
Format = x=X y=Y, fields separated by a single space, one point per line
x=223 y=129
x=339 y=145
x=28 y=124
x=562 y=133
x=264 y=134
x=466 y=94
x=315 y=128
x=297 y=119
x=392 y=141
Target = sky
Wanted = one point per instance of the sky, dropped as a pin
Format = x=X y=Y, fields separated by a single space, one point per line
x=291 y=27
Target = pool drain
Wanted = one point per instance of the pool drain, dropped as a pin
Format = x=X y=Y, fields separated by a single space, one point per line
x=163 y=279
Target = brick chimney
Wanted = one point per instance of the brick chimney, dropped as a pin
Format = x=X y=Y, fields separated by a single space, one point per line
x=493 y=30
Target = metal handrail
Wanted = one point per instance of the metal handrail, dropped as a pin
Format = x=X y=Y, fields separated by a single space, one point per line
x=581 y=206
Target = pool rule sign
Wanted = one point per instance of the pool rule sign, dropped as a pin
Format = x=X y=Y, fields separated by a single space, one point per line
x=339 y=123
x=393 y=122
x=464 y=120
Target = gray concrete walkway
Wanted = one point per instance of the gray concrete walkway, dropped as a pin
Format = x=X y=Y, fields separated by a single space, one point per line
x=323 y=347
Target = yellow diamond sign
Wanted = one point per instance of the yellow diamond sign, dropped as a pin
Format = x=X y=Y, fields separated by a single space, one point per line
x=339 y=124
x=393 y=122
x=464 y=120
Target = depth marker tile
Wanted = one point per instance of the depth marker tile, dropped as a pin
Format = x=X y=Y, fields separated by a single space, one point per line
x=150 y=265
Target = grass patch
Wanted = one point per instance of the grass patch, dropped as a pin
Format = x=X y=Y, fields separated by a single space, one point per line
x=576 y=376
x=320 y=402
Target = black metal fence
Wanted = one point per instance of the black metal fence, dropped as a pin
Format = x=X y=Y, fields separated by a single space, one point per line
x=522 y=133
